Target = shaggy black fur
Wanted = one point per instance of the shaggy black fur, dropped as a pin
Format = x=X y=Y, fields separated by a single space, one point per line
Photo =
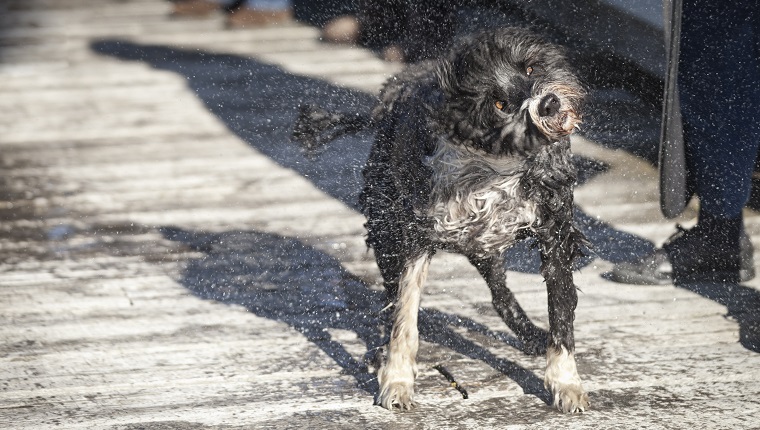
x=500 y=104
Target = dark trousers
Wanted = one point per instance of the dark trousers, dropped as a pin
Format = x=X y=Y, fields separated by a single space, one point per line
x=719 y=83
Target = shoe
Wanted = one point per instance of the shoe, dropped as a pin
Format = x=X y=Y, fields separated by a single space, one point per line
x=691 y=256
x=394 y=54
x=343 y=29
x=194 y=8
x=245 y=17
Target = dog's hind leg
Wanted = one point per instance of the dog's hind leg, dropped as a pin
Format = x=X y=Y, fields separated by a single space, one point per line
x=396 y=377
x=561 y=378
x=495 y=274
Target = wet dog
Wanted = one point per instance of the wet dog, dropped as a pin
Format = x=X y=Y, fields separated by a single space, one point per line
x=471 y=155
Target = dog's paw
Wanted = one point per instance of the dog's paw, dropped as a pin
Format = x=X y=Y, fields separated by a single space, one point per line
x=398 y=395
x=563 y=382
x=396 y=387
x=570 y=398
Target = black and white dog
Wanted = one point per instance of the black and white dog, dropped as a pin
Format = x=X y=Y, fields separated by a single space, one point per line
x=472 y=155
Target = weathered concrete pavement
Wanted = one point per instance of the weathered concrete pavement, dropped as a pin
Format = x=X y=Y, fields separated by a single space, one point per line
x=168 y=260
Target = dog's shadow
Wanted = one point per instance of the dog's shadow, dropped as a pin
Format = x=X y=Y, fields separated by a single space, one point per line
x=286 y=280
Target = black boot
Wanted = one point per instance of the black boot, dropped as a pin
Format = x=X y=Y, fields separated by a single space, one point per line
x=715 y=250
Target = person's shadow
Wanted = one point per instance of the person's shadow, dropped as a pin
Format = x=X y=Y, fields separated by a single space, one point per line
x=743 y=305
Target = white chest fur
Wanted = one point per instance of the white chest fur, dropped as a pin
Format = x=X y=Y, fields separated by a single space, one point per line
x=476 y=202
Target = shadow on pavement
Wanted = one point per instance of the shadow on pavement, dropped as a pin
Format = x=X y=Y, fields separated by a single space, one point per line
x=743 y=305
x=258 y=102
x=285 y=280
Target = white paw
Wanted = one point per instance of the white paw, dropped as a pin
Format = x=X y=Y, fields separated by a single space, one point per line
x=563 y=382
x=570 y=398
x=396 y=386
x=397 y=395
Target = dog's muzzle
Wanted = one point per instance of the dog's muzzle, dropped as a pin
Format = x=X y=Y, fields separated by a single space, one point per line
x=554 y=113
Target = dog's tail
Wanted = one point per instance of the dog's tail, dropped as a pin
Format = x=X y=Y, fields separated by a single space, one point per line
x=316 y=127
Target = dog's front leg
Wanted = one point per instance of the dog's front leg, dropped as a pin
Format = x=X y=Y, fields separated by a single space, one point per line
x=396 y=376
x=561 y=379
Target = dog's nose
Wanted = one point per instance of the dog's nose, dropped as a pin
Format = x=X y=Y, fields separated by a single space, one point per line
x=549 y=105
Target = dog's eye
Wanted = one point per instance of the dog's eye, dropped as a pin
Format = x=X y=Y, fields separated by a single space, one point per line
x=500 y=105
x=529 y=70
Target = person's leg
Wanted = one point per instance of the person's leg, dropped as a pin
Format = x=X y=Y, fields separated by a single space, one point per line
x=719 y=71
x=429 y=27
x=382 y=22
x=718 y=79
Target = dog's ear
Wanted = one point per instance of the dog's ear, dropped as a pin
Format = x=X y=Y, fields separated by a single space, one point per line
x=453 y=67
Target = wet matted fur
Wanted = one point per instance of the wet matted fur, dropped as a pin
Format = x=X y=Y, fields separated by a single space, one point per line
x=472 y=155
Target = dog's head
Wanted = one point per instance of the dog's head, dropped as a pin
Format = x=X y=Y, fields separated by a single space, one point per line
x=508 y=92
